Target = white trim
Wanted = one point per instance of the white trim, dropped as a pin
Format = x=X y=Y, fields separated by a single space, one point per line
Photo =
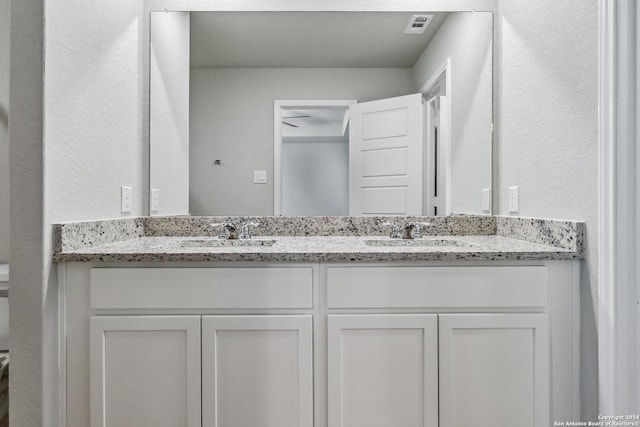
x=619 y=214
x=278 y=106
x=432 y=88
x=62 y=344
x=326 y=5
x=575 y=339
x=444 y=70
x=427 y=155
x=606 y=300
x=445 y=152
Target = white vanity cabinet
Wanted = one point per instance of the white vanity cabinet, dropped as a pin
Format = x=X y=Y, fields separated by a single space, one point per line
x=145 y=371
x=494 y=370
x=461 y=369
x=257 y=371
x=421 y=344
x=382 y=370
x=475 y=337
x=239 y=353
x=246 y=371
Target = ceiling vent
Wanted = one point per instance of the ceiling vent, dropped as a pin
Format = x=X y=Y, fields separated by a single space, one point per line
x=417 y=24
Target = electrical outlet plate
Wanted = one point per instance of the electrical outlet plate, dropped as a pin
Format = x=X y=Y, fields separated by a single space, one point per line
x=155 y=200
x=486 y=200
x=126 y=199
x=514 y=201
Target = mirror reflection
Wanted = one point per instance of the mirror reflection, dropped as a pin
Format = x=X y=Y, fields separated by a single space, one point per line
x=313 y=158
x=320 y=113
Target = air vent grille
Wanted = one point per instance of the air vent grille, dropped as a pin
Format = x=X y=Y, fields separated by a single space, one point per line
x=418 y=23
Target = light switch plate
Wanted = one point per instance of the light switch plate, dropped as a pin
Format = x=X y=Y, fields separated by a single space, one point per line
x=486 y=200
x=259 y=177
x=126 y=199
x=155 y=200
x=514 y=201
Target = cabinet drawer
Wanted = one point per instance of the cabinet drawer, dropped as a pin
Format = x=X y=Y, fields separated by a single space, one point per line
x=201 y=288
x=424 y=287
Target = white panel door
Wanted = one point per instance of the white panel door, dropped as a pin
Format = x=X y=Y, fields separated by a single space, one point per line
x=494 y=370
x=257 y=371
x=385 y=156
x=383 y=370
x=145 y=371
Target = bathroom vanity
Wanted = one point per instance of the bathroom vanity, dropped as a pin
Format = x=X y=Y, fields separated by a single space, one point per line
x=320 y=330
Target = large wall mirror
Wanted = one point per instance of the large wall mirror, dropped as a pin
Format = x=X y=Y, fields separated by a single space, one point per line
x=320 y=113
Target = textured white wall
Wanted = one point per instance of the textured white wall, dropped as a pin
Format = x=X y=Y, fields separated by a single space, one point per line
x=169 y=111
x=4 y=130
x=466 y=38
x=92 y=137
x=69 y=166
x=547 y=134
x=93 y=103
x=232 y=120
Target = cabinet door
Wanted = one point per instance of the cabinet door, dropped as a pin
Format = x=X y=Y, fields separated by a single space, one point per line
x=257 y=371
x=494 y=370
x=145 y=371
x=383 y=370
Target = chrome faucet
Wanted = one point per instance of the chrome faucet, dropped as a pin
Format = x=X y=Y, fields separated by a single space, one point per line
x=244 y=232
x=417 y=230
x=407 y=232
x=227 y=230
x=410 y=230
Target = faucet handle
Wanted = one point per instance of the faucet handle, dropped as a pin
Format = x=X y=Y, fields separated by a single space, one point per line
x=245 y=233
x=221 y=234
x=395 y=230
x=417 y=231
x=227 y=230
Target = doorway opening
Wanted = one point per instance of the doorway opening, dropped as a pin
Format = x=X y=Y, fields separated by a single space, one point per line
x=311 y=157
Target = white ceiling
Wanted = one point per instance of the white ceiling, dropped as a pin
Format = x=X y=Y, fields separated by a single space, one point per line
x=307 y=39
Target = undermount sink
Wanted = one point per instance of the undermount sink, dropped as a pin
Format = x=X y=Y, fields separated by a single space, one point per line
x=216 y=243
x=423 y=242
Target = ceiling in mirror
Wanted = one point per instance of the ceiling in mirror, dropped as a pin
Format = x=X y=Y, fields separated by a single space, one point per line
x=307 y=39
x=214 y=78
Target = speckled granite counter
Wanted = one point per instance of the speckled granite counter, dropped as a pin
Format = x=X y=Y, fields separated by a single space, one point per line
x=318 y=239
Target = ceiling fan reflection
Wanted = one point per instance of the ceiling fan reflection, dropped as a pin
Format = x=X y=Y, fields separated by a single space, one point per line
x=293 y=117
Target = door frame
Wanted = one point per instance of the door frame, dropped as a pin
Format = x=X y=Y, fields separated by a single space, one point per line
x=618 y=208
x=439 y=82
x=278 y=106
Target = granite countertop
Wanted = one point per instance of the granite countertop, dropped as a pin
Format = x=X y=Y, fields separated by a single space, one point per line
x=185 y=246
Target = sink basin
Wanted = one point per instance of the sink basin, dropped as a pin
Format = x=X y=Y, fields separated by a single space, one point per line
x=219 y=243
x=437 y=243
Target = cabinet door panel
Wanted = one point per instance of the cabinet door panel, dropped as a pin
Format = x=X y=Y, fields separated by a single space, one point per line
x=494 y=370
x=382 y=370
x=257 y=371
x=145 y=371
